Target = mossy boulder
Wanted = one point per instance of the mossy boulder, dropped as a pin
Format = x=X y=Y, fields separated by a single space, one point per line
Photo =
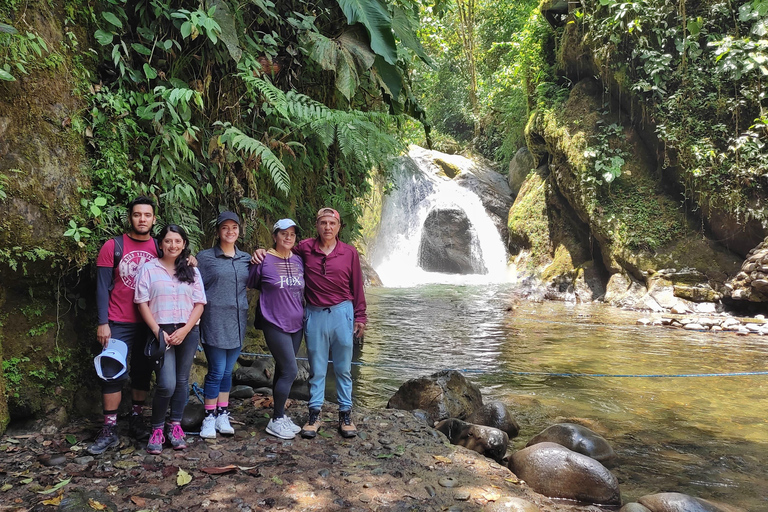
x=637 y=227
x=43 y=170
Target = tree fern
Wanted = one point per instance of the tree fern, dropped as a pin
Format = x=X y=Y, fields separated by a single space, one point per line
x=254 y=148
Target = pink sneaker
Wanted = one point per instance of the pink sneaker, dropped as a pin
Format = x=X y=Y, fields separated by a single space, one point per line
x=156 y=440
x=176 y=436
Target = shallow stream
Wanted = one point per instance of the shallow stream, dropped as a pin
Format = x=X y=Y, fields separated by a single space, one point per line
x=705 y=436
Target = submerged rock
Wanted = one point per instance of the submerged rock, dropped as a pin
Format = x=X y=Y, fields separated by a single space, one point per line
x=445 y=394
x=578 y=438
x=555 y=471
x=679 y=502
x=495 y=414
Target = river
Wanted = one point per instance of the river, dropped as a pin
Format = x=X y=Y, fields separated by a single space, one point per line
x=704 y=436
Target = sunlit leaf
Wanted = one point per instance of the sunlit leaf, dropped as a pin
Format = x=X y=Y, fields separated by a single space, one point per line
x=183 y=478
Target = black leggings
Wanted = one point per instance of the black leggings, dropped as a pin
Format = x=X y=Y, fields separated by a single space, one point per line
x=284 y=346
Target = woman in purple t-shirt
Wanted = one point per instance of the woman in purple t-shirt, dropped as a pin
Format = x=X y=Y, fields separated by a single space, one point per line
x=280 y=277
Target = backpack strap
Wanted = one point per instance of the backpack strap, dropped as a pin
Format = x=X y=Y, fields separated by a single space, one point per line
x=118 y=254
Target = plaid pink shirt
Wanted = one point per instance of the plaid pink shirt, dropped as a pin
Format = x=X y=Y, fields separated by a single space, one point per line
x=170 y=300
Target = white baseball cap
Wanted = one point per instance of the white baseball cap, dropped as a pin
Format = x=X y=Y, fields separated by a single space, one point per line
x=112 y=362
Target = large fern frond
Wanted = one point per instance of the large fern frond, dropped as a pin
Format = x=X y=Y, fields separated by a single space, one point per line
x=254 y=148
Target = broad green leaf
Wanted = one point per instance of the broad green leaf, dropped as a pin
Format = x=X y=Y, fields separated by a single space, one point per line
x=390 y=76
x=223 y=16
x=373 y=14
x=95 y=210
x=112 y=19
x=346 y=76
x=103 y=37
x=405 y=30
x=149 y=72
x=140 y=48
x=100 y=201
x=4 y=75
x=322 y=50
x=8 y=29
x=55 y=487
x=355 y=42
x=186 y=29
x=71 y=439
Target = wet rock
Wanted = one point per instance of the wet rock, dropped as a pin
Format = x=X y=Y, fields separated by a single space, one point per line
x=578 y=438
x=634 y=507
x=445 y=241
x=56 y=459
x=193 y=417
x=495 y=414
x=680 y=308
x=751 y=284
x=678 y=502
x=462 y=495
x=445 y=394
x=430 y=491
x=644 y=321
x=241 y=392
x=83 y=461
x=79 y=500
x=508 y=504
x=487 y=441
x=423 y=416
x=693 y=326
x=519 y=167
x=555 y=471
x=258 y=375
x=324 y=472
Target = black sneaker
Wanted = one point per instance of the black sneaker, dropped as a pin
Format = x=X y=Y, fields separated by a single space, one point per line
x=106 y=439
x=310 y=428
x=138 y=427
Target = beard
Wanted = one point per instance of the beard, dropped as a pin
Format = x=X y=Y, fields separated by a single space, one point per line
x=142 y=231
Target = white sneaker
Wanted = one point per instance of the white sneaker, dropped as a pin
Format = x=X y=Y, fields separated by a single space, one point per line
x=222 y=424
x=280 y=428
x=208 y=430
x=296 y=429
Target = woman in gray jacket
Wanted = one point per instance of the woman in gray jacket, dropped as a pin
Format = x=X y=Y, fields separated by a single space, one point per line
x=224 y=269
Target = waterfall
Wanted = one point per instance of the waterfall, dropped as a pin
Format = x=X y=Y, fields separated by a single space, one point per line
x=419 y=188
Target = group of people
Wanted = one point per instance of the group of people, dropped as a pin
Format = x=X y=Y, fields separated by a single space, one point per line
x=153 y=288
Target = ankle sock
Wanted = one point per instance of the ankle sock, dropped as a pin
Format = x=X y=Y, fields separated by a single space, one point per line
x=110 y=418
x=210 y=410
x=137 y=408
x=221 y=408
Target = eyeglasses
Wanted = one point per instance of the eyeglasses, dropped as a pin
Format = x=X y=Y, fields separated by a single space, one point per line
x=322 y=264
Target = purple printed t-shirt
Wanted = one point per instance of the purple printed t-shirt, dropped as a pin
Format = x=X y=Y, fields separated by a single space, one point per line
x=135 y=254
x=281 y=282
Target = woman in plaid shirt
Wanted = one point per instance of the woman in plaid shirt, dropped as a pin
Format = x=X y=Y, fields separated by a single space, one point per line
x=170 y=297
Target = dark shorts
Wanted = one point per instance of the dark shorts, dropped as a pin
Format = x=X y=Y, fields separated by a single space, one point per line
x=135 y=336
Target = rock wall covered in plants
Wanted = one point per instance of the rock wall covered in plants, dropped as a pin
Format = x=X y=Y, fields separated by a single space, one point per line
x=653 y=140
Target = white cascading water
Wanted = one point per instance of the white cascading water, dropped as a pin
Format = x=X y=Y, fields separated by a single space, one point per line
x=418 y=190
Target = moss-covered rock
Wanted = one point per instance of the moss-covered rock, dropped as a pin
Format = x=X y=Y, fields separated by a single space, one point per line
x=638 y=228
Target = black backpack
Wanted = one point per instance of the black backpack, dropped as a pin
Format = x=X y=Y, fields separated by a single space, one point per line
x=118 y=255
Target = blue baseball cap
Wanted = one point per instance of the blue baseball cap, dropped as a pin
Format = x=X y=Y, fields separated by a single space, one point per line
x=111 y=363
x=283 y=224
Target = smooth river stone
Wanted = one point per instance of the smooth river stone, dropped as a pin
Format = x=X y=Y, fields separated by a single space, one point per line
x=634 y=507
x=508 y=504
x=679 y=502
x=578 y=438
x=555 y=471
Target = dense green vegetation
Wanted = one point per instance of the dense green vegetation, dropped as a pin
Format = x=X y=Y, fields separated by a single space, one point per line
x=269 y=108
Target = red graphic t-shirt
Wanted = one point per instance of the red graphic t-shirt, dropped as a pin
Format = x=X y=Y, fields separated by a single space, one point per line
x=135 y=254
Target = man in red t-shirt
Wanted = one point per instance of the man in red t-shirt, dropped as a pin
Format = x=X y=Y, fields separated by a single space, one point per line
x=119 y=318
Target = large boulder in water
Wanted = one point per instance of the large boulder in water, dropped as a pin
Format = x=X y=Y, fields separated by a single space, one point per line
x=445 y=394
x=555 y=471
x=448 y=243
x=519 y=168
x=578 y=438
x=487 y=441
x=678 y=502
x=496 y=415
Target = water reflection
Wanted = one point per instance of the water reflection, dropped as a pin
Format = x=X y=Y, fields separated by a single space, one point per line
x=703 y=436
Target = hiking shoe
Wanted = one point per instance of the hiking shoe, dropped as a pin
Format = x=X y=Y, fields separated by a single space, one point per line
x=106 y=439
x=296 y=429
x=208 y=430
x=176 y=436
x=138 y=427
x=346 y=427
x=310 y=428
x=280 y=428
x=156 y=441
x=222 y=423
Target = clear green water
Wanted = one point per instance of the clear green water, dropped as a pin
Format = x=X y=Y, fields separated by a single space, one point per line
x=702 y=436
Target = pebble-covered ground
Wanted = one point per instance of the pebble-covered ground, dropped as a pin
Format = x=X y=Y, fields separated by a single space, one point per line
x=396 y=463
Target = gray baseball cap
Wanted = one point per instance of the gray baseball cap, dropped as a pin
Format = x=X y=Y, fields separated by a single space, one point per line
x=111 y=363
x=283 y=224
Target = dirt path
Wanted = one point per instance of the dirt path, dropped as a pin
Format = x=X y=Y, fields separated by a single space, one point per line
x=397 y=463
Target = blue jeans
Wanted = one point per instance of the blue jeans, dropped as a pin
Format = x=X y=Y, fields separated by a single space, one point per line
x=221 y=361
x=173 y=378
x=330 y=329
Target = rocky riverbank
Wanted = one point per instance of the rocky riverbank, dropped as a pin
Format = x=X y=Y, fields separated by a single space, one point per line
x=396 y=463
